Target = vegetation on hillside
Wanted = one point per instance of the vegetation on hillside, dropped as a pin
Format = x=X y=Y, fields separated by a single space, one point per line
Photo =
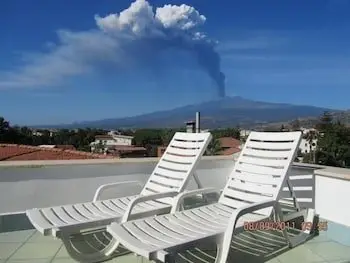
x=333 y=141
x=333 y=147
x=81 y=138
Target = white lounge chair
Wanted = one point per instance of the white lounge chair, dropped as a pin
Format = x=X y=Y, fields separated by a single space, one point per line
x=250 y=195
x=168 y=179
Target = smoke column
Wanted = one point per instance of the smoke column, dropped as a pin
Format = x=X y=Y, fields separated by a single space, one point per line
x=169 y=26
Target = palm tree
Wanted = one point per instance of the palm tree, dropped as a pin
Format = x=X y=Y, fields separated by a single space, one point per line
x=214 y=147
x=310 y=137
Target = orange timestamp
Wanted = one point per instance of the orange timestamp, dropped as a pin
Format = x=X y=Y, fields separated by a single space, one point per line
x=267 y=225
x=272 y=225
x=321 y=226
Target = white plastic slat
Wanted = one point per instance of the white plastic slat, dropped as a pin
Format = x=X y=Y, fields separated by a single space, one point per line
x=83 y=211
x=155 y=204
x=266 y=154
x=55 y=220
x=210 y=216
x=167 y=231
x=73 y=213
x=224 y=212
x=153 y=232
x=183 y=152
x=179 y=159
x=62 y=214
x=258 y=179
x=170 y=173
x=143 y=206
x=174 y=219
x=166 y=181
x=185 y=136
x=192 y=218
x=209 y=212
x=174 y=166
x=39 y=221
x=187 y=144
x=112 y=206
x=263 y=162
x=275 y=136
x=120 y=203
x=180 y=229
x=252 y=198
x=137 y=232
x=232 y=202
x=252 y=187
x=93 y=209
x=269 y=145
x=159 y=188
x=223 y=207
x=105 y=209
x=133 y=242
x=251 y=168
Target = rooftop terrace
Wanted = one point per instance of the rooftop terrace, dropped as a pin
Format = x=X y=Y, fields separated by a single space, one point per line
x=31 y=184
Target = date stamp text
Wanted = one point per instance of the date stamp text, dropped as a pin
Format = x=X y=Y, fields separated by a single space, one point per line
x=272 y=225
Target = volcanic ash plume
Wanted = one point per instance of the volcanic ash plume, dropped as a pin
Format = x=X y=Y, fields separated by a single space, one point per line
x=170 y=26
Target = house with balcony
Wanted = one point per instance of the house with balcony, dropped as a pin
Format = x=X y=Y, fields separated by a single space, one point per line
x=110 y=140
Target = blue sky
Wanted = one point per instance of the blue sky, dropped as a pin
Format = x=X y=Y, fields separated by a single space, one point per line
x=65 y=61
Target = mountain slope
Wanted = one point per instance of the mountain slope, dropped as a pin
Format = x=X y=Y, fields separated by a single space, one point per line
x=229 y=111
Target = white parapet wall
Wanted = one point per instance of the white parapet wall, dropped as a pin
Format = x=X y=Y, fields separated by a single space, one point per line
x=40 y=184
x=332 y=194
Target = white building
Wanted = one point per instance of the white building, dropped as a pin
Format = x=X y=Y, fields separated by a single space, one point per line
x=111 y=140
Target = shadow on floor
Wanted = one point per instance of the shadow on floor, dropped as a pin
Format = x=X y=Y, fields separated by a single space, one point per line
x=249 y=246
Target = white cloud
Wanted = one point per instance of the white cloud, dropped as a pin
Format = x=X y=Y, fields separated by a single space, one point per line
x=120 y=41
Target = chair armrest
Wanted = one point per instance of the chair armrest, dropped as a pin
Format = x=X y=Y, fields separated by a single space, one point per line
x=178 y=200
x=145 y=198
x=103 y=187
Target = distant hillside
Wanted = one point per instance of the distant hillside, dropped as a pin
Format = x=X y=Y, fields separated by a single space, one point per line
x=230 y=111
x=309 y=122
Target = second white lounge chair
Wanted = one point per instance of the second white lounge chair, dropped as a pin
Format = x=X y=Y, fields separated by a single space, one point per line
x=251 y=195
x=169 y=178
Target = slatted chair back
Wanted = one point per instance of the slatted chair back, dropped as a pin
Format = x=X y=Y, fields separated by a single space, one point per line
x=177 y=164
x=261 y=169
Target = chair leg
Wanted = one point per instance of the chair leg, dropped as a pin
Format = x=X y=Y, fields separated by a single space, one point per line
x=77 y=249
x=301 y=237
x=219 y=255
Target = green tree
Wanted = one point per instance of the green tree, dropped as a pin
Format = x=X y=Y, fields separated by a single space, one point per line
x=4 y=129
x=214 y=147
x=99 y=147
x=228 y=132
x=295 y=125
x=333 y=145
x=325 y=123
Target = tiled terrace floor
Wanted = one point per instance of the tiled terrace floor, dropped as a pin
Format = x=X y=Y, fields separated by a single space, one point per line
x=29 y=246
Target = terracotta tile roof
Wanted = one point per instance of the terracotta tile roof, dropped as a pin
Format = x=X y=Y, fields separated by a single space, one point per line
x=230 y=151
x=65 y=146
x=229 y=142
x=127 y=148
x=14 y=152
x=229 y=145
